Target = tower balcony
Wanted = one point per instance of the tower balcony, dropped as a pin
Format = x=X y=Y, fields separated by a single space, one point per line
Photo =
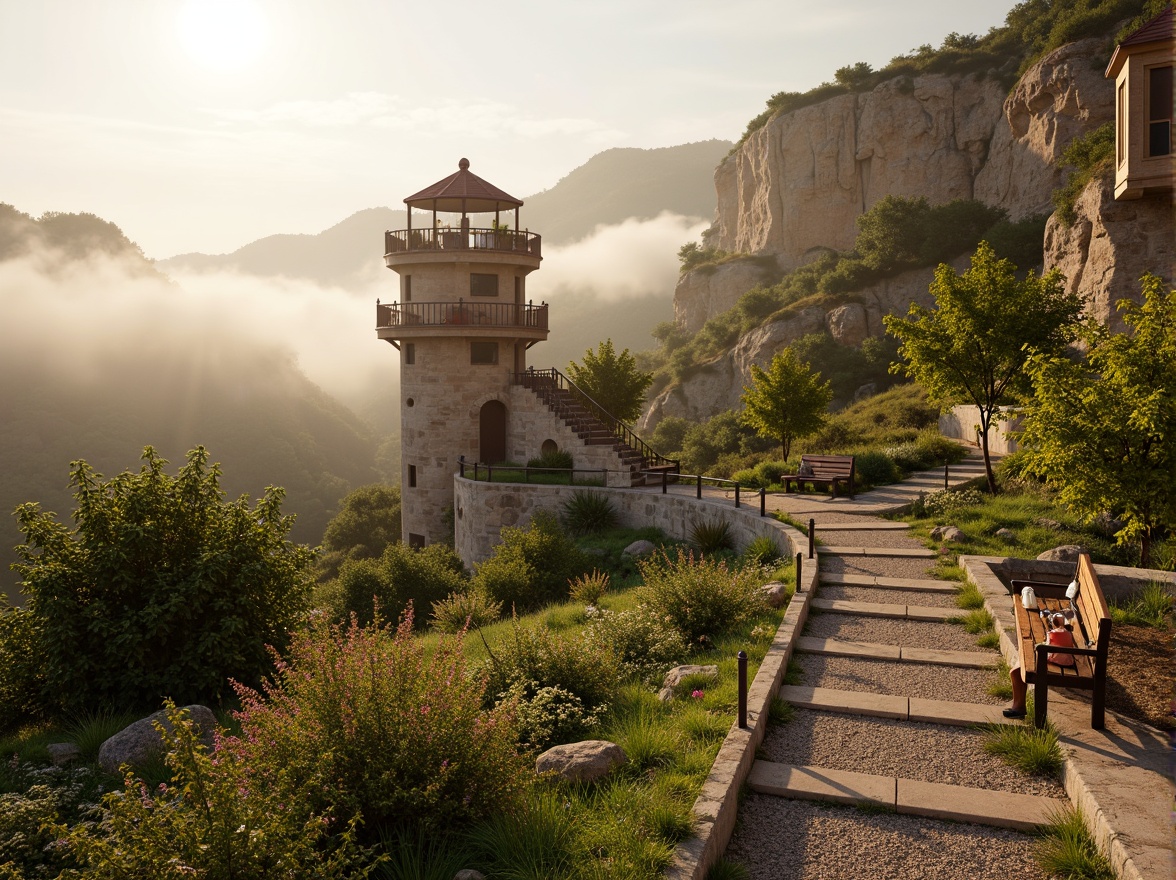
x=462 y=318
x=451 y=241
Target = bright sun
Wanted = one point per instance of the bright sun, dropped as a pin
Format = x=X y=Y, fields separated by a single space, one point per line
x=222 y=34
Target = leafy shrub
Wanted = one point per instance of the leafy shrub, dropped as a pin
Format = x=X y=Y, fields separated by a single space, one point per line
x=701 y=598
x=644 y=643
x=21 y=676
x=364 y=720
x=548 y=716
x=42 y=797
x=587 y=513
x=471 y=608
x=947 y=502
x=213 y=820
x=532 y=566
x=402 y=575
x=712 y=537
x=367 y=522
x=763 y=550
x=577 y=664
x=588 y=588
x=875 y=468
x=163 y=587
x=557 y=459
x=1090 y=155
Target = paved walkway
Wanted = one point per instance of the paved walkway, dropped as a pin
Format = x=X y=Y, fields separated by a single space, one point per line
x=880 y=772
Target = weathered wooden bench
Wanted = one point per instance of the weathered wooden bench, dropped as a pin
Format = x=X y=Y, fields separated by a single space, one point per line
x=828 y=470
x=1091 y=628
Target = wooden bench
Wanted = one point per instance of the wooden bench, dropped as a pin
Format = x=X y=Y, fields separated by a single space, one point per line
x=829 y=470
x=1091 y=628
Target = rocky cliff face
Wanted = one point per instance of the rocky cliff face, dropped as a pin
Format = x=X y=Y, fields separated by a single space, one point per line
x=796 y=187
x=1110 y=246
x=798 y=184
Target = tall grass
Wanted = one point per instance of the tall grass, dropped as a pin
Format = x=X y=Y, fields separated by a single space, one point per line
x=1031 y=750
x=1150 y=606
x=1066 y=849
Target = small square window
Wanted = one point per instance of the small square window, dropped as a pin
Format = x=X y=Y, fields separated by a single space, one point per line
x=417 y=542
x=482 y=284
x=412 y=476
x=483 y=352
x=410 y=352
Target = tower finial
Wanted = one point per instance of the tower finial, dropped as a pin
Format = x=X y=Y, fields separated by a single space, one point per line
x=464 y=164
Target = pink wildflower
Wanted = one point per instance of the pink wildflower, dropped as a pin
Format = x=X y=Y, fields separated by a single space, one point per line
x=698 y=694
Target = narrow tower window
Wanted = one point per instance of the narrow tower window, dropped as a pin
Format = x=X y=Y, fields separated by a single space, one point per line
x=1159 y=111
x=412 y=476
x=408 y=288
x=410 y=352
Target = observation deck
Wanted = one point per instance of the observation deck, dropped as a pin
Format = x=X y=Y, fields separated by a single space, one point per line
x=461 y=318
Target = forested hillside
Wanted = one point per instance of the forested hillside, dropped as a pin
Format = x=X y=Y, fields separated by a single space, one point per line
x=100 y=356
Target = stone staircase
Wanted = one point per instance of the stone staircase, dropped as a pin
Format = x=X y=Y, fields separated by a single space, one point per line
x=567 y=403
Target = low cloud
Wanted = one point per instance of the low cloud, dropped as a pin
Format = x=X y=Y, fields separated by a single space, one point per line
x=632 y=259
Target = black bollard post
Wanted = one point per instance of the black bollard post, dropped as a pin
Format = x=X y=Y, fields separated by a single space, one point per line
x=736 y=494
x=763 y=502
x=812 y=536
x=665 y=481
x=799 y=560
x=946 y=469
x=698 y=490
x=742 y=655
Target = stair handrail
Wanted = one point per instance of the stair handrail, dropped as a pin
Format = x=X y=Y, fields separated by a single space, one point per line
x=622 y=431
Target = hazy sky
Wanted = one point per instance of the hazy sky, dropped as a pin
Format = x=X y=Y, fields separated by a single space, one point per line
x=205 y=124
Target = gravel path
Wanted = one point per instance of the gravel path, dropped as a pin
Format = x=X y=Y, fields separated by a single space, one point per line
x=883 y=631
x=906 y=749
x=781 y=839
x=898 y=679
x=877 y=565
x=887 y=597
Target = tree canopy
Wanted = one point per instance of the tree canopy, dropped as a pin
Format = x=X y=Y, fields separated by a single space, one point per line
x=367 y=522
x=612 y=380
x=162 y=589
x=972 y=347
x=786 y=402
x=1104 y=431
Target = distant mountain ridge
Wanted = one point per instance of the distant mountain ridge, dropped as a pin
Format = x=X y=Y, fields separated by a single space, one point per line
x=609 y=188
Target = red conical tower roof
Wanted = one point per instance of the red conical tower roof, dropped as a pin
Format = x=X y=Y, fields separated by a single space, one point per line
x=463 y=192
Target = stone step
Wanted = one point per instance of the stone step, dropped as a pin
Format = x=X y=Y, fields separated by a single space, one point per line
x=935 y=800
x=891 y=706
x=873 y=651
x=907 y=552
x=922 y=585
x=881 y=525
x=882 y=609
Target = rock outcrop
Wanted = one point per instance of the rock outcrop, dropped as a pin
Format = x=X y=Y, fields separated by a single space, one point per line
x=1110 y=245
x=715 y=387
x=585 y=761
x=140 y=742
x=1061 y=97
x=708 y=291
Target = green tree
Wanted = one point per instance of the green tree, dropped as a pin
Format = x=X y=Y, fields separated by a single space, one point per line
x=399 y=576
x=1104 y=431
x=163 y=588
x=972 y=347
x=786 y=402
x=368 y=521
x=612 y=380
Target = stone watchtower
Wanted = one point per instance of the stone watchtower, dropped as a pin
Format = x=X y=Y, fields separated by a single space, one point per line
x=462 y=326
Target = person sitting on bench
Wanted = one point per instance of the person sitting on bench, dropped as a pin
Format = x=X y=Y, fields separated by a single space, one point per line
x=1058 y=635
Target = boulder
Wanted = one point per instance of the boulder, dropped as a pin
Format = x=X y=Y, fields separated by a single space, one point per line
x=639 y=549
x=583 y=761
x=63 y=753
x=1046 y=523
x=1006 y=535
x=678 y=674
x=140 y=742
x=848 y=324
x=947 y=534
x=775 y=594
x=1064 y=553
x=1106 y=524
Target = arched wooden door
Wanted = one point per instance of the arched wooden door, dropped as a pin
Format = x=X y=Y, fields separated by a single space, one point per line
x=492 y=432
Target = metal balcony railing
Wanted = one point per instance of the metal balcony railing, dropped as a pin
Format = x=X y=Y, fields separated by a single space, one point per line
x=402 y=241
x=478 y=314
